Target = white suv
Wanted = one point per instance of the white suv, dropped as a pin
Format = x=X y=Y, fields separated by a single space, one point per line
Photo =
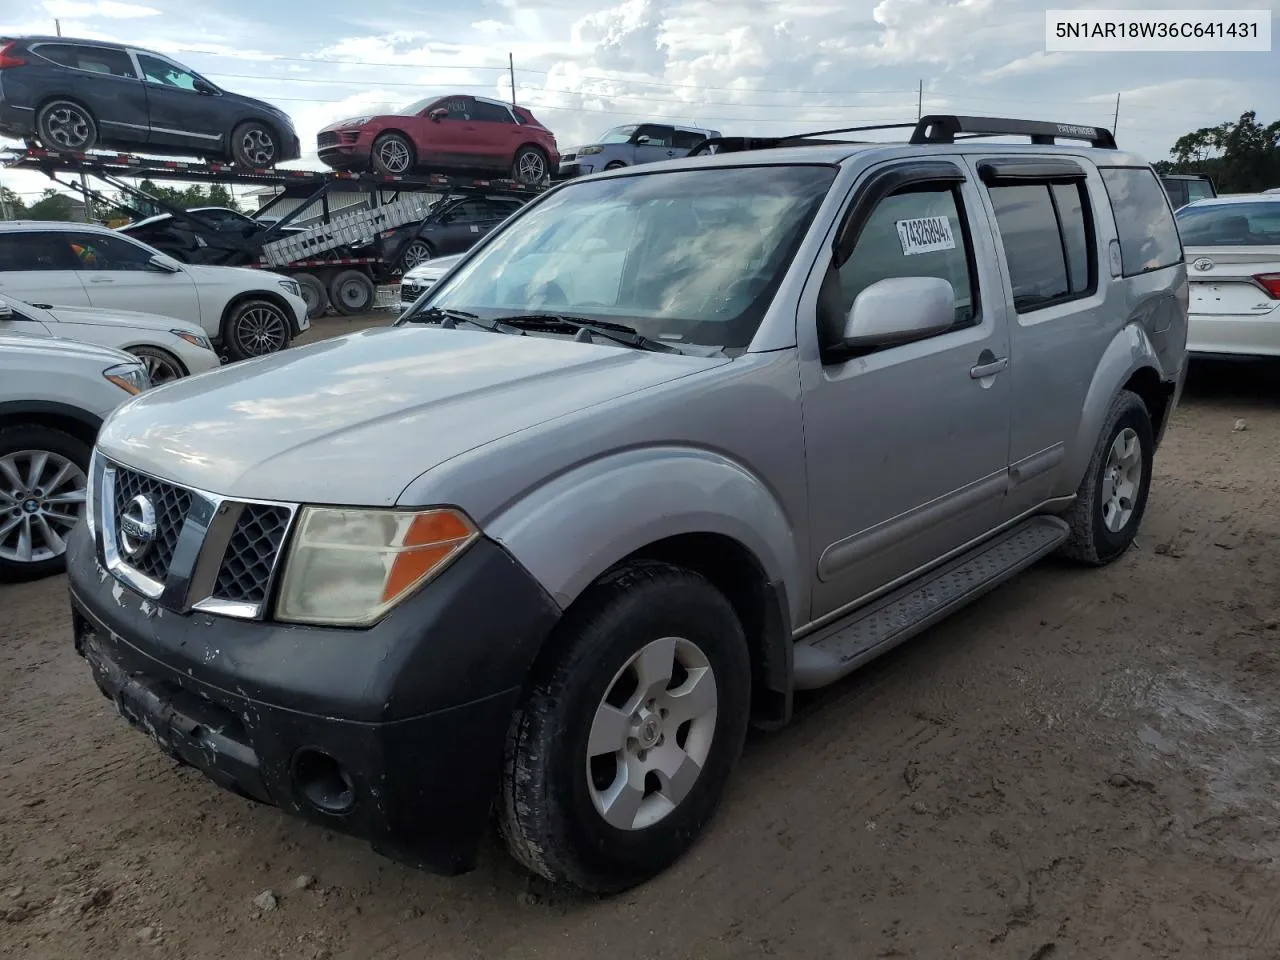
x=246 y=312
x=54 y=395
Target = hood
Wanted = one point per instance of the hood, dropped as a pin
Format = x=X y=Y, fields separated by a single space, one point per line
x=125 y=318
x=355 y=419
x=433 y=269
x=14 y=345
x=211 y=274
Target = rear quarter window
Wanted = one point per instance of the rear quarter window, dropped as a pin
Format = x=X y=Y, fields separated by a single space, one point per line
x=115 y=63
x=1148 y=235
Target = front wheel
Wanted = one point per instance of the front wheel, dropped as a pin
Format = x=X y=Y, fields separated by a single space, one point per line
x=255 y=145
x=1113 y=494
x=162 y=366
x=392 y=154
x=620 y=751
x=255 y=328
x=43 y=481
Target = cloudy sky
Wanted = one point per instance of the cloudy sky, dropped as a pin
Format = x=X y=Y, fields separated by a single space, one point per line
x=744 y=66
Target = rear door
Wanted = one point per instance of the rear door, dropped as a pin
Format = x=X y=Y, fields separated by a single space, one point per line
x=497 y=134
x=37 y=266
x=682 y=141
x=117 y=275
x=105 y=81
x=178 y=115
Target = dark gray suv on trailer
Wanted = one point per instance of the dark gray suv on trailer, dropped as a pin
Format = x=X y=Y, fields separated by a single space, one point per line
x=73 y=95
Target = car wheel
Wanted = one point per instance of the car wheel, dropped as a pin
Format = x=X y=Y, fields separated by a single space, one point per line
x=162 y=366
x=313 y=291
x=392 y=154
x=254 y=144
x=351 y=292
x=417 y=252
x=615 y=165
x=66 y=127
x=628 y=732
x=530 y=166
x=1113 y=495
x=43 y=484
x=255 y=328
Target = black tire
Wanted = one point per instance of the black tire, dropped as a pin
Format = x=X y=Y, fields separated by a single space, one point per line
x=1092 y=542
x=14 y=442
x=254 y=328
x=352 y=292
x=313 y=290
x=393 y=155
x=546 y=813
x=255 y=145
x=162 y=366
x=615 y=165
x=66 y=127
x=530 y=166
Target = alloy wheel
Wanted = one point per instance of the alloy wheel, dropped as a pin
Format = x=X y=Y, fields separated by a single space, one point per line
x=42 y=495
x=260 y=330
x=393 y=155
x=531 y=167
x=652 y=734
x=258 y=147
x=1121 y=480
x=68 y=128
x=417 y=252
x=161 y=368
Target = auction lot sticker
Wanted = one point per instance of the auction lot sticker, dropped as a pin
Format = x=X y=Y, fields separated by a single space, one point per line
x=926 y=235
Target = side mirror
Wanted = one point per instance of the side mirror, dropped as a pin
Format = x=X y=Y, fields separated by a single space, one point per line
x=641 y=140
x=6 y=312
x=164 y=264
x=205 y=88
x=438 y=114
x=899 y=310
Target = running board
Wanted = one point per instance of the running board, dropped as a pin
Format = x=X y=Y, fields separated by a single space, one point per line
x=870 y=631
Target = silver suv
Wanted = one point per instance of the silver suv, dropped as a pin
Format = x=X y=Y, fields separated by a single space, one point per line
x=664 y=448
x=633 y=143
x=54 y=395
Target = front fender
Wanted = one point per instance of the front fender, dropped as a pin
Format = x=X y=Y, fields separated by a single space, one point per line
x=1128 y=352
x=574 y=527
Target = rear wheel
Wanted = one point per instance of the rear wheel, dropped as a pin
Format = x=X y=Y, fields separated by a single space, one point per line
x=162 y=366
x=254 y=144
x=313 y=291
x=255 y=328
x=392 y=154
x=351 y=292
x=67 y=127
x=530 y=166
x=43 y=482
x=635 y=718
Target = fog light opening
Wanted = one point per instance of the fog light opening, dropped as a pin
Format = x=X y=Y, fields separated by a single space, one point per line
x=323 y=783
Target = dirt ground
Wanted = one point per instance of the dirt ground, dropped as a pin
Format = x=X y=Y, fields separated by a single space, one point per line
x=1082 y=765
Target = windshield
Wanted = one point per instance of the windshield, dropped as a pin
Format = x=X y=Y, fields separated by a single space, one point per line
x=1230 y=225
x=685 y=257
x=416 y=107
x=619 y=134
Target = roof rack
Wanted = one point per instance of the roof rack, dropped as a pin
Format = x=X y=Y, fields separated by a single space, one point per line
x=933 y=129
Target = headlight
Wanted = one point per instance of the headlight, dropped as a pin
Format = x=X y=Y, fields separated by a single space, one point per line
x=347 y=567
x=128 y=376
x=290 y=286
x=588 y=151
x=195 y=339
x=356 y=121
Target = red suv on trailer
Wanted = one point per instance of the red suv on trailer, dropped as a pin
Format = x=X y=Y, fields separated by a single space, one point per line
x=462 y=133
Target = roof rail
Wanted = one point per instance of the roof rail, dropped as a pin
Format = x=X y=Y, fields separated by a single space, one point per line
x=934 y=129
x=946 y=128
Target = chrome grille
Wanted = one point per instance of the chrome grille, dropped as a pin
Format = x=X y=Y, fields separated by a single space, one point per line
x=171 y=505
x=245 y=573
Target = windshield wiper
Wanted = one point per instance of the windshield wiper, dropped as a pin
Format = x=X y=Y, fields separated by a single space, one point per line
x=617 y=332
x=449 y=319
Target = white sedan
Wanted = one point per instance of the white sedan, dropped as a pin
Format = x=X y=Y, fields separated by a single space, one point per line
x=170 y=348
x=1232 y=247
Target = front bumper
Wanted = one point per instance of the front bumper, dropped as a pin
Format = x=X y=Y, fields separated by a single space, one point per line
x=347 y=153
x=577 y=168
x=392 y=735
x=301 y=321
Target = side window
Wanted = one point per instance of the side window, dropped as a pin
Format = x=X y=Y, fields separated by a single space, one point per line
x=686 y=139
x=155 y=70
x=95 y=252
x=34 y=251
x=495 y=209
x=658 y=136
x=460 y=108
x=490 y=112
x=919 y=232
x=1047 y=236
x=1198 y=190
x=469 y=211
x=1148 y=235
x=114 y=63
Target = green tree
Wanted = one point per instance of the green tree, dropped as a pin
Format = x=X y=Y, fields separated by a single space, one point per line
x=1240 y=157
x=52 y=205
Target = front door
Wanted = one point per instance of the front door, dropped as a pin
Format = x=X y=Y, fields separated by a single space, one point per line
x=451 y=139
x=178 y=114
x=658 y=146
x=39 y=267
x=118 y=276
x=906 y=446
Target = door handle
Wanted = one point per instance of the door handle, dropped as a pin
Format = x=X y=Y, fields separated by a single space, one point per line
x=102 y=280
x=989 y=368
